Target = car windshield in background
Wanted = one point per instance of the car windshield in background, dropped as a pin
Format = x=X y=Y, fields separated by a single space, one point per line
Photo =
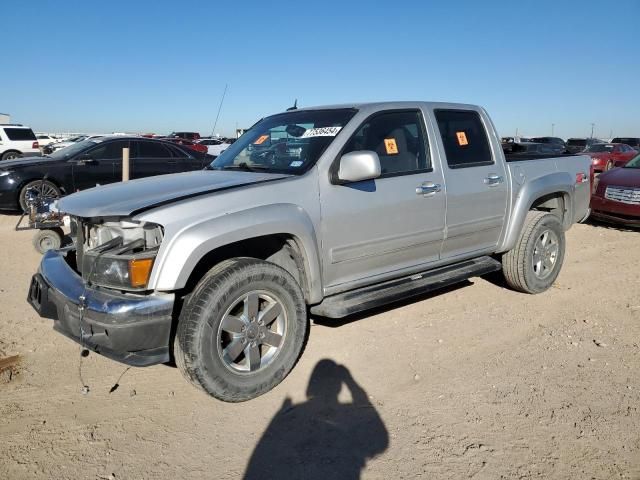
x=289 y=142
x=73 y=149
x=633 y=163
x=577 y=143
x=600 y=147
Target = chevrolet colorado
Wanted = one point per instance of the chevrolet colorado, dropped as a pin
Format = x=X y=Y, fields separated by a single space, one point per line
x=328 y=210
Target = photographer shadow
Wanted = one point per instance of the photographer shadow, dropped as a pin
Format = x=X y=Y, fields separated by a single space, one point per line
x=321 y=438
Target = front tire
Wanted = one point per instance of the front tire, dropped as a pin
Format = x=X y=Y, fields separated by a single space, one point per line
x=535 y=262
x=48 y=239
x=241 y=330
x=45 y=189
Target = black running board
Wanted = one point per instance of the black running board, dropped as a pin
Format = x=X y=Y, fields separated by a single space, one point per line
x=365 y=298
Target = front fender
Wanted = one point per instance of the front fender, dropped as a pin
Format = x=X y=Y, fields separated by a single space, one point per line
x=184 y=249
x=558 y=182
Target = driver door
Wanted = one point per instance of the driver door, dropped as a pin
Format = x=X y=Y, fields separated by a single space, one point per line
x=380 y=228
x=99 y=166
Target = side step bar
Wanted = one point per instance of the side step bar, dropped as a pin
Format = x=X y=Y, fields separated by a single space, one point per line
x=347 y=303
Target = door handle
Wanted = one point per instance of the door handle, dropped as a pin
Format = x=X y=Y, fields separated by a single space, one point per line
x=428 y=189
x=493 y=180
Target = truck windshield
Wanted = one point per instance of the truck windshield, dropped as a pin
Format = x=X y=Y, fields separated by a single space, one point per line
x=289 y=142
x=634 y=163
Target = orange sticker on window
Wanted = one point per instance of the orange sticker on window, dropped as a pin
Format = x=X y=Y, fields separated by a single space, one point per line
x=462 y=139
x=261 y=140
x=391 y=146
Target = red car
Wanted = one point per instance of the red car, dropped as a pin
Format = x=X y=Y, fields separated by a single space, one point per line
x=617 y=195
x=187 y=143
x=605 y=156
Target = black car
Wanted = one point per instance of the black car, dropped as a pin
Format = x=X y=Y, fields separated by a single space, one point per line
x=91 y=162
x=555 y=143
x=633 y=142
x=527 y=148
x=577 y=145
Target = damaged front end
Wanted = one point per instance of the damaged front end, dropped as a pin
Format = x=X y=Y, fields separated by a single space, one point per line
x=97 y=291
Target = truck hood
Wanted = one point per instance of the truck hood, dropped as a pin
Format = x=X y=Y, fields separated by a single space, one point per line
x=126 y=198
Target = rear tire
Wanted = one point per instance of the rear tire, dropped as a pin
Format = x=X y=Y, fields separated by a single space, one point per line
x=241 y=330
x=535 y=262
x=10 y=155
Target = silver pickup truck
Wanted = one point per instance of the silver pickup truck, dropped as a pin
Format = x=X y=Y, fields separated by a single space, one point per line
x=329 y=210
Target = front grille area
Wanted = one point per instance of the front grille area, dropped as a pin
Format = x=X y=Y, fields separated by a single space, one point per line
x=630 y=195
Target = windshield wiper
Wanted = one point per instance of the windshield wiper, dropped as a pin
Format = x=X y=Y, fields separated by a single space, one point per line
x=244 y=166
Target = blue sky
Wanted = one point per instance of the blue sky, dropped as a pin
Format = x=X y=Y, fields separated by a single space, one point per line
x=143 y=66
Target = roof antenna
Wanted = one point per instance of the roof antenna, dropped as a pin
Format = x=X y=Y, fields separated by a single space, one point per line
x=295 y=106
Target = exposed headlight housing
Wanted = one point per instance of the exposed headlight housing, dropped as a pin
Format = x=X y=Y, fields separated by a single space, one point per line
x=117 y=254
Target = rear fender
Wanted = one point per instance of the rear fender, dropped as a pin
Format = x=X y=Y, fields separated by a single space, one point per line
x=554 y=183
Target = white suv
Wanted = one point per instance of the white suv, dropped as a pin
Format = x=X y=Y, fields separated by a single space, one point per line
x=16 y=139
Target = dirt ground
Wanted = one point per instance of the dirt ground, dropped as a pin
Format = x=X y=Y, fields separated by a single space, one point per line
x=476 y=382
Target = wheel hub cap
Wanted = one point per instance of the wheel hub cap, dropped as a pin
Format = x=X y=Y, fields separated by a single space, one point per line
x=252 y=332
x=545 y=254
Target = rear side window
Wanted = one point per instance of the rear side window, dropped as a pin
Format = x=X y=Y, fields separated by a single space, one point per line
x=464 y=138
x=20 y=134
x=397 y=138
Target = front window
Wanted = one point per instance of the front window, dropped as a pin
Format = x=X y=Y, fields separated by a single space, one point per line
x=288 y=143
x=600 y=148
x=73 y=149
x=577 y=142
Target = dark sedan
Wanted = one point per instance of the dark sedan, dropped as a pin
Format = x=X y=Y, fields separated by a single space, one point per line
x=89 y=163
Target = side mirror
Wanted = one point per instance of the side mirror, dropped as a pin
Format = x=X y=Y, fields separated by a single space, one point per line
x=358 y=166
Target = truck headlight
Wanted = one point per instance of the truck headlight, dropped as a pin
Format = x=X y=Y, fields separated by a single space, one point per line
x=117 y=254
x=123 y=272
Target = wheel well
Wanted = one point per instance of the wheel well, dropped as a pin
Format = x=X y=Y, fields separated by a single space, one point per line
x=281 y=249
x=555 y=203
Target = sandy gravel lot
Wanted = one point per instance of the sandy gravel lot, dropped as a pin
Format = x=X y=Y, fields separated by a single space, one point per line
x=476 y=382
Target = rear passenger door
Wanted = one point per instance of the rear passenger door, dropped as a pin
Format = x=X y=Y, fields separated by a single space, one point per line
x=186 y=160
x=476 y=184
x=151 y=158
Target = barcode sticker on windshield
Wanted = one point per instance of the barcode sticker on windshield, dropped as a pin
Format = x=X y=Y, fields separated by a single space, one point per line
x=261 y=140
x=321 y=132
x=462 y=139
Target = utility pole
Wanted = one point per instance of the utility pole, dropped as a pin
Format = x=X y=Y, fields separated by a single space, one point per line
x=553 y=125
x=592 y=126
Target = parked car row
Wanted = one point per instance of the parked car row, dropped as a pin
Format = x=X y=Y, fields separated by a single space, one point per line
x=91 y=162
x=556 y=145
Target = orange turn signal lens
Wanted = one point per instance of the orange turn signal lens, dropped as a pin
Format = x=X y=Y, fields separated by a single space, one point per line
x=139 y=271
